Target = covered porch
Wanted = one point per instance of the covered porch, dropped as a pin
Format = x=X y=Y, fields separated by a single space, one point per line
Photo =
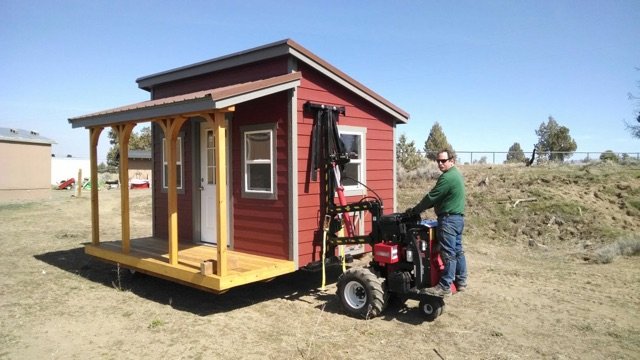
x=150 y=255
x=213 y=268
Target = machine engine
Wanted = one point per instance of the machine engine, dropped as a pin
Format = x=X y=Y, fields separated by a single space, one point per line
x=404 y=252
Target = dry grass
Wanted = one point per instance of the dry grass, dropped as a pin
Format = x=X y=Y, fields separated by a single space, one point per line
x=523 y=302
x=622 y=247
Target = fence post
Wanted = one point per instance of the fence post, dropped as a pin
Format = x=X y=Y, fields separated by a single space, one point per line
x=79 y=183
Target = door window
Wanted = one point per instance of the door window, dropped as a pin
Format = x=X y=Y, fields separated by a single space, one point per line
x=211 y=160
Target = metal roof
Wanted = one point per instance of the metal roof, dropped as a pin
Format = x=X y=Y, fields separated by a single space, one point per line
x=278 y=48
x=24 y=136
x=139 y=154
x=199 y=101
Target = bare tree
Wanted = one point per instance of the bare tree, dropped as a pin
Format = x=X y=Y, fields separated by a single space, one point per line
x=635 y=129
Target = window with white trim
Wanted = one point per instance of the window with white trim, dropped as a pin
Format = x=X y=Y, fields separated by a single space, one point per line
x=258 y=161
x=165 y=165
x=354 y=173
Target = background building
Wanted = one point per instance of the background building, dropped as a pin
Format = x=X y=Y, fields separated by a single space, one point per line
x=25 y=164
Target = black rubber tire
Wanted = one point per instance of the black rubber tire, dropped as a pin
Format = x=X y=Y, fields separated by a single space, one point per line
x=431 y=307
x=362 y=293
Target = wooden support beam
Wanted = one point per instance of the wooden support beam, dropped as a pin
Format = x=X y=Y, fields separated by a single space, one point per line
x=171 y=128
x=123 y=131
x=220 y=130
x=219 y=124
x=94 y=136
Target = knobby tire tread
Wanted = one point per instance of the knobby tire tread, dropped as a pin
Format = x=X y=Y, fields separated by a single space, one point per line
x=377 y=297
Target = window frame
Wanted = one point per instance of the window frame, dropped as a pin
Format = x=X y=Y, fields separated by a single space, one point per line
x=246 y=192
x=210 y=151
x=179 y=164
x=358 y=189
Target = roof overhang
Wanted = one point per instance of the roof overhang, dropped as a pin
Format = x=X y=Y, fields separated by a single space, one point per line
x=189 y=104
x=351 y=84
x=279 y=48
x=268 y=51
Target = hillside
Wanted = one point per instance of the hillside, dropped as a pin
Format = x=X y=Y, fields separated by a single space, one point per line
x=575 y=208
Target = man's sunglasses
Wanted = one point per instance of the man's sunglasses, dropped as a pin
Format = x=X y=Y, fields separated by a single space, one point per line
x=442 y=161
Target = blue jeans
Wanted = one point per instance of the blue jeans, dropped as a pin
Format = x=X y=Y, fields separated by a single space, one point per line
x=450 y=236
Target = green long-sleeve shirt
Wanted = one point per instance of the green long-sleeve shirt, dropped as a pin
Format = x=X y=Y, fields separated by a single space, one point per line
x=447 y=196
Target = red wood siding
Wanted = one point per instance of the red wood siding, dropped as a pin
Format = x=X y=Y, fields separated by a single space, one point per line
x=255 y=233
x=245 y=73
x=262 y=226
x=379 y=155
x=185 y=208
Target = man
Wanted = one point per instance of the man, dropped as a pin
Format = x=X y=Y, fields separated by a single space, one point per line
x=447 y=199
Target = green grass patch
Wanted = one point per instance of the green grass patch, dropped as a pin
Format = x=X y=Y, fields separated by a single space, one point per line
x=156 y=323
x=634 y=203
x=608 y=233
x=558 y=208
x=17 y=206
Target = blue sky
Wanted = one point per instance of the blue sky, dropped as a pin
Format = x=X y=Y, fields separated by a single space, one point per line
x=490 y=72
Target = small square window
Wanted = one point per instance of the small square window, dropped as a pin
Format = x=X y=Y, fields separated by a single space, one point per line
x=258 y=157
x=354 y=174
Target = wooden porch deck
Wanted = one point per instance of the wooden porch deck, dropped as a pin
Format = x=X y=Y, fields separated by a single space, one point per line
x=151 y=256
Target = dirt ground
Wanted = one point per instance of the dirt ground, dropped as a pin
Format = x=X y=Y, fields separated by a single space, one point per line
x=524 y=301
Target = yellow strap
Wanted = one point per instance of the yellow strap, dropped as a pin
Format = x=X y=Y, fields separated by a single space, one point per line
x=325 y=230
x=344 y=261
x=324 y=248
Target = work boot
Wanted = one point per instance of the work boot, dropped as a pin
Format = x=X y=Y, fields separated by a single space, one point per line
x=461 y=287
x=438 y=290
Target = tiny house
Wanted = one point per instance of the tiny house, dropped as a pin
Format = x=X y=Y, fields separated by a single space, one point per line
x=234 y=196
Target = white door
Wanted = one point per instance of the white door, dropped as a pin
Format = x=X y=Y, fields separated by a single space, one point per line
x=208 y=203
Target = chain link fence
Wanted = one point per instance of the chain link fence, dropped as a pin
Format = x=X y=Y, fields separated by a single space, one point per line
x=500 y=157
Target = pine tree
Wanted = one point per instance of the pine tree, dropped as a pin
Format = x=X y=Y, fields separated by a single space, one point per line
x=436 y=141
x=113 y=155
x=407 y=154
x=554 y=141
x=137 y=141
x=141 y=140
x=515 y=154
x=635 y=129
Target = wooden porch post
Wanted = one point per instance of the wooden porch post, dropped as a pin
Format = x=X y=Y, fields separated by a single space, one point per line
x=220 y=129
x=94 y=136
x=124 y=133
x=171 y=128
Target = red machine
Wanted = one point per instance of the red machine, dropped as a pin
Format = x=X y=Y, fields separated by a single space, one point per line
x=405 y=255
x=405 y=260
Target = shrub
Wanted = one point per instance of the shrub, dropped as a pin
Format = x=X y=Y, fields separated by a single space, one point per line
x=622 y=247
x=609 y=156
